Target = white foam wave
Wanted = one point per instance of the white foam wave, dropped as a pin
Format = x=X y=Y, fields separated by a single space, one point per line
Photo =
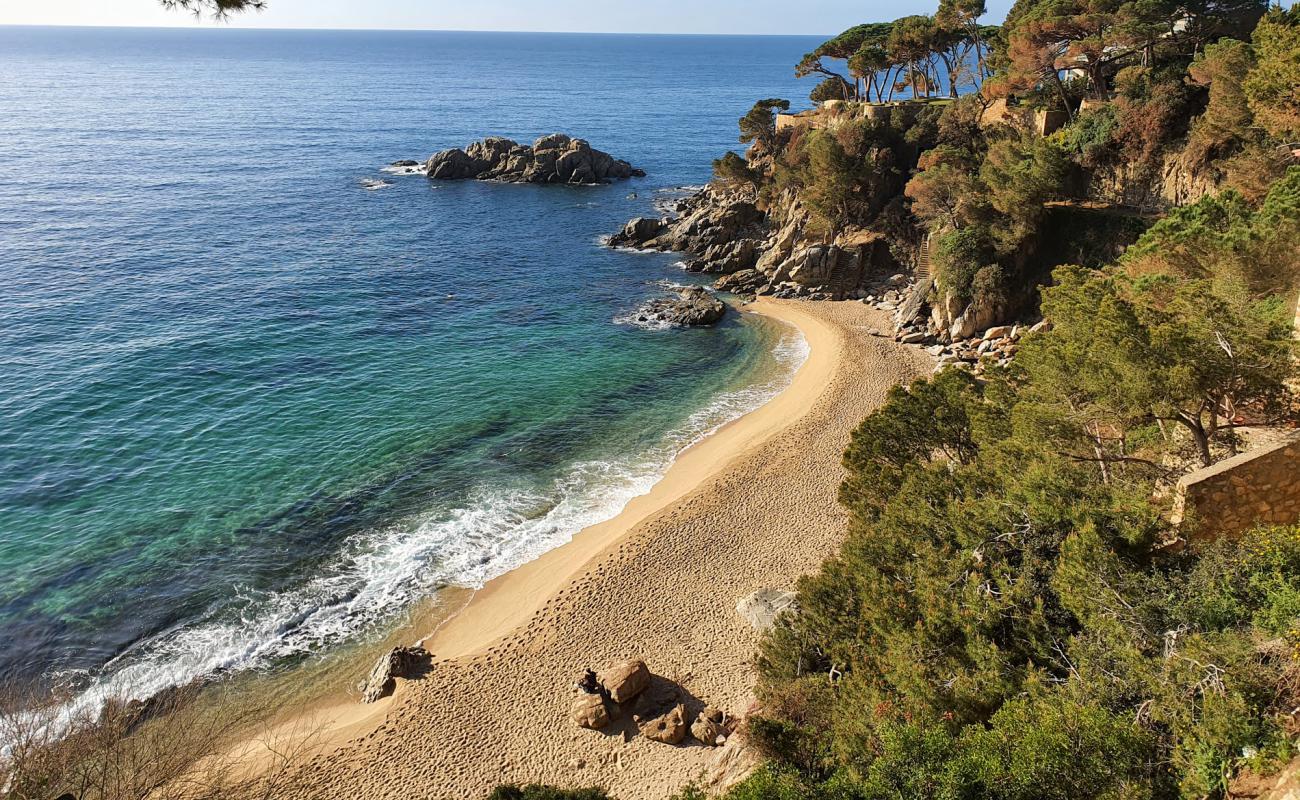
x=384 y=572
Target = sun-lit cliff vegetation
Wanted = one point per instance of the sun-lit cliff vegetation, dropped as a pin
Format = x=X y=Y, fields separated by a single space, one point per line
x=1158 y=105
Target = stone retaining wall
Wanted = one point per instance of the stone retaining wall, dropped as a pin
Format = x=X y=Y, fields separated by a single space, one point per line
x=1258 y=487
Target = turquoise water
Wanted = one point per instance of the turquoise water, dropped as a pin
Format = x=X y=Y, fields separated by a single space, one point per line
x=253 y=409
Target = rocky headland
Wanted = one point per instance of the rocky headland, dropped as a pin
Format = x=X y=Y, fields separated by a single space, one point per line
x=762 y=252
x=557 y=158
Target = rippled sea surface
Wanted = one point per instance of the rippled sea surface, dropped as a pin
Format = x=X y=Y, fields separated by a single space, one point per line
x=258 y=396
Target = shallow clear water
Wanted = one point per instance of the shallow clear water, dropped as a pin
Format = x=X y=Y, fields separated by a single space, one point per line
x=250 y=408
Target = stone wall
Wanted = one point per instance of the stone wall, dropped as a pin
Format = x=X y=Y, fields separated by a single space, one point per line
x=1258 y=487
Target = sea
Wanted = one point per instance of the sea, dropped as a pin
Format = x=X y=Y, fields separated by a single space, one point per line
x=261 y=395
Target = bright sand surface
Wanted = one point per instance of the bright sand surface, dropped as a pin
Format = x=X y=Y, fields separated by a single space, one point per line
x=751 y=506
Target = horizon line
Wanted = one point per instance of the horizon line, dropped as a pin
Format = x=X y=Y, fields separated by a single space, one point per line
x=218 y=26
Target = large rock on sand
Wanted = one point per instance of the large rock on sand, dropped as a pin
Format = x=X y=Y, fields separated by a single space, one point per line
x=590 y=711
x=669 y=729
x=626 y=680
x=400 y=662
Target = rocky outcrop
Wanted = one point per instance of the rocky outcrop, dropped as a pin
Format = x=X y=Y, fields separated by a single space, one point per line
x=637 y=232
x=760 y=252
x=693 y=305
x=551 y=159
x=708 y=219
x=1172 y=181
x=400 y=662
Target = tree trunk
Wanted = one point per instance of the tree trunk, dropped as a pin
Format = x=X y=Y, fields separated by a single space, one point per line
x=1199 y=435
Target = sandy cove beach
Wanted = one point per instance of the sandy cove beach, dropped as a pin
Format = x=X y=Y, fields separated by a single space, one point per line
x=751 y=506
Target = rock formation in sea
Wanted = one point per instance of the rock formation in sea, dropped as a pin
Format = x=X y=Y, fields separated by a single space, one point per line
x=557 y=158
x=692 y=306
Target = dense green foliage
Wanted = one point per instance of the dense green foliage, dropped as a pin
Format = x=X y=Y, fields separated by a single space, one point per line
x=1273 y=87
x=759 y=123
x=999 y=622
x=914 y=54
x=1222 y=237
x=1007 y=618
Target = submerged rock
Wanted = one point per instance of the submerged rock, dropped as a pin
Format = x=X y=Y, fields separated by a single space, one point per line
x=694 y=305
x=400 y=662
x=557 y=158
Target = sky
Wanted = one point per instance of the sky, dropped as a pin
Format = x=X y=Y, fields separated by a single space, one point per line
x=603 y=16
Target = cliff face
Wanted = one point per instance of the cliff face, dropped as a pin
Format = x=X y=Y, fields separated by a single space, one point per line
x=1171 y=182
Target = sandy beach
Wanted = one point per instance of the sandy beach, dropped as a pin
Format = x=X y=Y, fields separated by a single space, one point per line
x=751 y=506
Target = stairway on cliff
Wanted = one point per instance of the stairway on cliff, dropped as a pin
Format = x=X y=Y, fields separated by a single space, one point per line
x=839 y=274
x=921 y=283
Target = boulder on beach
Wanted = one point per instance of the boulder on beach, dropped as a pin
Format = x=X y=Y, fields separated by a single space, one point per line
x=625 y=680
x=669 y=728
x=557 y=158
x=400 y=662
x=591 y=711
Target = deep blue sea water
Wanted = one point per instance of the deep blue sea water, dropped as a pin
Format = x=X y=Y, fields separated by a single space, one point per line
x=251 y=409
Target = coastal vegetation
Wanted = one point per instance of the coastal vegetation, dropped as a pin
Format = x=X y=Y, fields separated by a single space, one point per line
x=1012 y=614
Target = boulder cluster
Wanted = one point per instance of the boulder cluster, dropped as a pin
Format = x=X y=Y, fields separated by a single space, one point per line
x=692 y=305
x=994 y=346
x=557 y=158
x=660 y=714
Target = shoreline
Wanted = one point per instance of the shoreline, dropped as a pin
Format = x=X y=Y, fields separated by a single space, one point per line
x=504 y=604
x=750 y=506
x=507 y=601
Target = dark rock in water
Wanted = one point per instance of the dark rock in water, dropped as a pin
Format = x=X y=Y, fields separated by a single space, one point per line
x=637 y=232
x=400 y=662
x=694 y=305
x=551 y=159
x=406 y=162
x=452 y=165
x=725 y=231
